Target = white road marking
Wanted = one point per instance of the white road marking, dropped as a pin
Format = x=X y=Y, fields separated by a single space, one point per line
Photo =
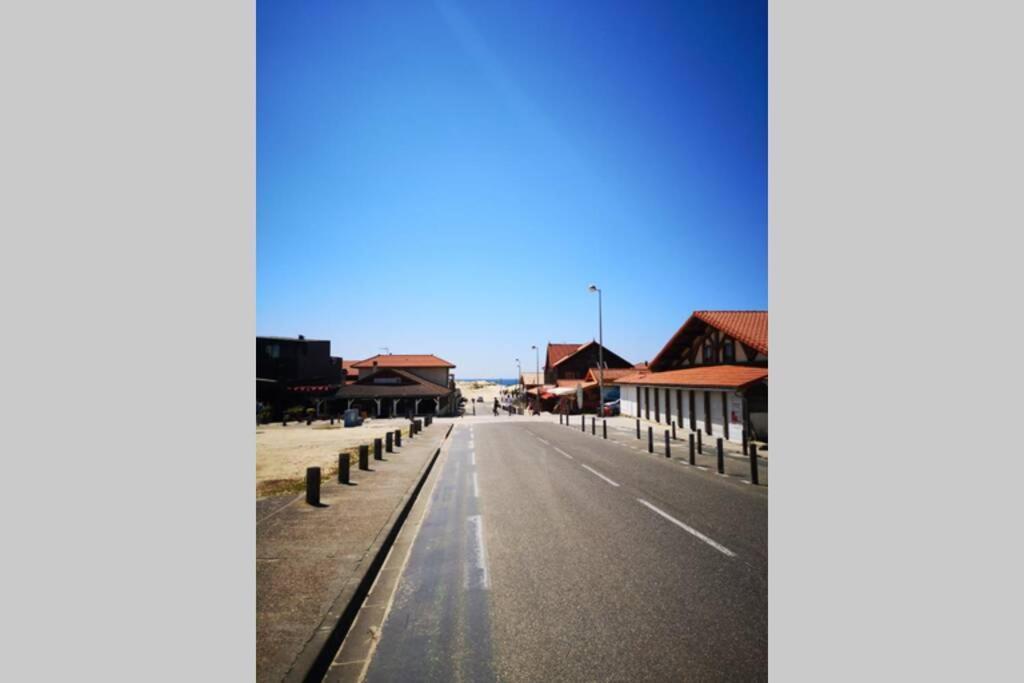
x=542 y=440
x=564 y=453
x=714 y=544
x=472 y=457
x=593 y=471
x=477 y=575
x=476 y=487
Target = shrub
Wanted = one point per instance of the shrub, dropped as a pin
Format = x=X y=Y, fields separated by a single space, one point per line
x=295 y=413
x=266 y=415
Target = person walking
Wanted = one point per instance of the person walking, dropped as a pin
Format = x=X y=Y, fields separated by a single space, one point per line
x=495 y=405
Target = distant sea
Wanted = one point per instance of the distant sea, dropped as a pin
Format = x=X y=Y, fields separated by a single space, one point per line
x=504 y=382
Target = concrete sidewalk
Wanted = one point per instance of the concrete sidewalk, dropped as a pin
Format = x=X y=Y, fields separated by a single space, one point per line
x=308 y=559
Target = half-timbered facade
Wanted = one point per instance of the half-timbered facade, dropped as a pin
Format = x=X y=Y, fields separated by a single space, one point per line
x=711 y=376
x=400 y=384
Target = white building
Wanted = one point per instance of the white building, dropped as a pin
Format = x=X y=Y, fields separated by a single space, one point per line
x=711 y=376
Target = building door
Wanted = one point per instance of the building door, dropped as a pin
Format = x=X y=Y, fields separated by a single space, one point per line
x=679 y=405
x=693 y=412
x=637 y=389
x=657 y=405
x=725 y=413
x=707 y=412
x=647 y=402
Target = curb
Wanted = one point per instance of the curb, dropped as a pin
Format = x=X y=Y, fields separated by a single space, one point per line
x=313 y=661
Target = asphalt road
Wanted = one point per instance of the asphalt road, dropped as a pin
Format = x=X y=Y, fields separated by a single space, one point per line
x=548 y=554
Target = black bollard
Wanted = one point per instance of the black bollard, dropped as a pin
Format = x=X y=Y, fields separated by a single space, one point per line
x=560 y=420
x=364 y=457
x=693 y=457
x=673 y=430
x=650 y=439
x=398 y=438
x=313 y=485
x=638 y=428
x=700 y=444
x=377 y=448
x=389 y=442
x=753 y=465
x=309 y=420
x=332 y=419
x=343 y=468
x=583 y=423
x=721 y=458
x=593 y=426
x=604 y=428
x=668 y=446
x=284 y=421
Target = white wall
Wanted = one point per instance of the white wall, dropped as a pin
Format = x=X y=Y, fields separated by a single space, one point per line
x=628 y=397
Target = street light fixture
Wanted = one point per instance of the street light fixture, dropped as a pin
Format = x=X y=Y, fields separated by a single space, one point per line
x=522 y=381
x=600 y=348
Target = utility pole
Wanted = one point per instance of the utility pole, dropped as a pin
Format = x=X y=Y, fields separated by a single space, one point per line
x=600 y=349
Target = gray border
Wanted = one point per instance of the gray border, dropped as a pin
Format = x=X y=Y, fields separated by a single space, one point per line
x=127 y=163
x=894 y=180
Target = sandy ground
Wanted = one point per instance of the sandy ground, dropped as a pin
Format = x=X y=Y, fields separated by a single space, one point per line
x=284 y=453
x=488 y=390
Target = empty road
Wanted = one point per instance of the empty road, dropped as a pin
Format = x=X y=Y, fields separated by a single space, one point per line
x=548 y=554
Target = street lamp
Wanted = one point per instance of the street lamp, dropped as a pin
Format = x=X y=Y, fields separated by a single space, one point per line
x=537 y=358
x=600 y=348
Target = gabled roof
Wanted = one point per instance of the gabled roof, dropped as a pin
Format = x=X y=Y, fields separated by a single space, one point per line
x=609 y=354
x=350 y=371
x=412 y=386
x=558 y=352
x=746 y=327
x=396 y=360
x=594 y=374
x=709 y=376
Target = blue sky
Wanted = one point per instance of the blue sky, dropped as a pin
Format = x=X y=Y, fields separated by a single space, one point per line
x=448 y=177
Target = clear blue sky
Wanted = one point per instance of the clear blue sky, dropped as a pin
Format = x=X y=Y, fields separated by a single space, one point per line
x=447 y=177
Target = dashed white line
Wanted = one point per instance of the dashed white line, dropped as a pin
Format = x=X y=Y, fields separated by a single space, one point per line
x=477 y=575
x=714 y=544
x=542 y=440
x=593 y=471
x=472 y=457
x=564 y=453
x=476 y=487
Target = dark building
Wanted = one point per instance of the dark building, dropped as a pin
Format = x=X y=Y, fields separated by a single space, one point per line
x=295 y=371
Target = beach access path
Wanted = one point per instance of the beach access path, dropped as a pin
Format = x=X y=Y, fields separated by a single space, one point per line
x=311 y=560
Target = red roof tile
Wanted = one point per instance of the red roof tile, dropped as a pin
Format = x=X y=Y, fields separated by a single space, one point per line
x=748 y=327
x=609 y=373
x=397 y=360
x=724 y=376
x=558 y=352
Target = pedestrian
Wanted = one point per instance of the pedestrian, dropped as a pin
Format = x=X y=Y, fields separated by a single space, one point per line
x=495 y=405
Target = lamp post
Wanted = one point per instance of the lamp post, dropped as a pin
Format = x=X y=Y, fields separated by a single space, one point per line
x=600 y=349
x=537 y=358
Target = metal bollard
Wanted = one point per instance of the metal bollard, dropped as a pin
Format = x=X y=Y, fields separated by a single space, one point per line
x=700 y=444
x=377 y=448
x=593 y=426
x=313 y=485
x=344 y=466
x=650 y=439
x=560 y=418
x=398 y=438
x=309 y=420
x=583 y=423
x=673 y=430
x=693 y=457
x=638 y=428
x=668 y=446
x=332 y=419
x=753 y=465
x=721 y=458
x=389 y=439
x=604 y=428
x=284 y=421
x=364 y=457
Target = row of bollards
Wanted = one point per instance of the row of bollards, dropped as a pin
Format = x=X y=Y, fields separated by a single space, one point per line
x=313 y=474
x=696 y=444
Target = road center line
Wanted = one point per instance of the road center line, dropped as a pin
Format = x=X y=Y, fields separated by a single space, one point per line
x=472 y=457
x=714 y=544
x=593 y=471
x=543 y=440
x=478 y=578
x=476 y=487
x=566 y=454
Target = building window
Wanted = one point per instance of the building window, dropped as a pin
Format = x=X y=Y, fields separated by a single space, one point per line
x=708 y=353
x=729 y=351
x=273 y=350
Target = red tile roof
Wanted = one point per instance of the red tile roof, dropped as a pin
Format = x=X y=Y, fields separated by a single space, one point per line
x=609 y=373
x=719 y=376
x=349 y=370
x=748 y=327
x=558 y=352
x=396 y=360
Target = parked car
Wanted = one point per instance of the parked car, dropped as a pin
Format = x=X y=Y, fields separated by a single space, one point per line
x=612 y=408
